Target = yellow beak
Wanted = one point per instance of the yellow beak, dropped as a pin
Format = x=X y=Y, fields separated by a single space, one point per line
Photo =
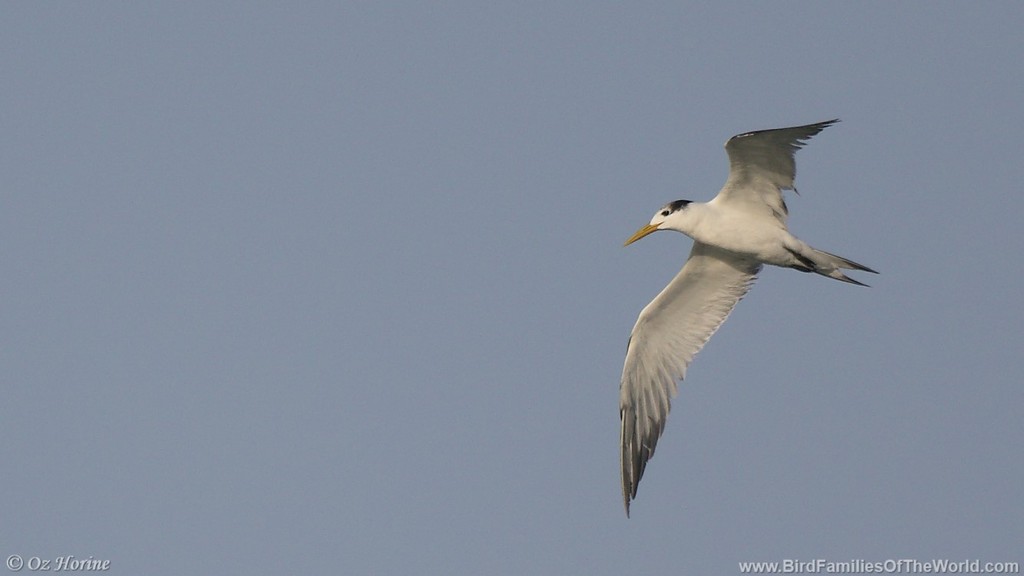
x=641 y=233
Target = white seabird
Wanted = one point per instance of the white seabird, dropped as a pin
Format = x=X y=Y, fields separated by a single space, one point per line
x=734 y=234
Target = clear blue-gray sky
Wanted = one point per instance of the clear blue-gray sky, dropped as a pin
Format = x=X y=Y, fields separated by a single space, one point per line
x=333 y=287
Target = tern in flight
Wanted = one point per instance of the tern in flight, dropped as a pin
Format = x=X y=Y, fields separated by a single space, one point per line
x=734 y=234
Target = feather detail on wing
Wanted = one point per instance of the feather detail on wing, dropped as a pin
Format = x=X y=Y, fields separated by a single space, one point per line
x=667 y=335
x=762 y=165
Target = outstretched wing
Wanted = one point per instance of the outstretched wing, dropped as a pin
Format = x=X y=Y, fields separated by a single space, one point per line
x=667 y=335
x=762 y=165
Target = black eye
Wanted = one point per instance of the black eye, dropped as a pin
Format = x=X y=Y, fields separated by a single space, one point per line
x=664 y=212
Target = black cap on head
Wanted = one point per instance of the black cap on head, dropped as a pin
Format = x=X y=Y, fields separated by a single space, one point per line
x=674 y=207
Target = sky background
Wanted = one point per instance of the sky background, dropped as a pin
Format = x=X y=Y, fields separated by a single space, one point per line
x=331 y=287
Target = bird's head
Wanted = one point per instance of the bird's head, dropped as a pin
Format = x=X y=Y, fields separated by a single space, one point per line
x=664 y=219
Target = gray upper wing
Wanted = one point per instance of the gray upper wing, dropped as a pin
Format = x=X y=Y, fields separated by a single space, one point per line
x=762 y=164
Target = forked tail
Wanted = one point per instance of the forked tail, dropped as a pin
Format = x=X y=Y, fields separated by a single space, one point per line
x=826 y=264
